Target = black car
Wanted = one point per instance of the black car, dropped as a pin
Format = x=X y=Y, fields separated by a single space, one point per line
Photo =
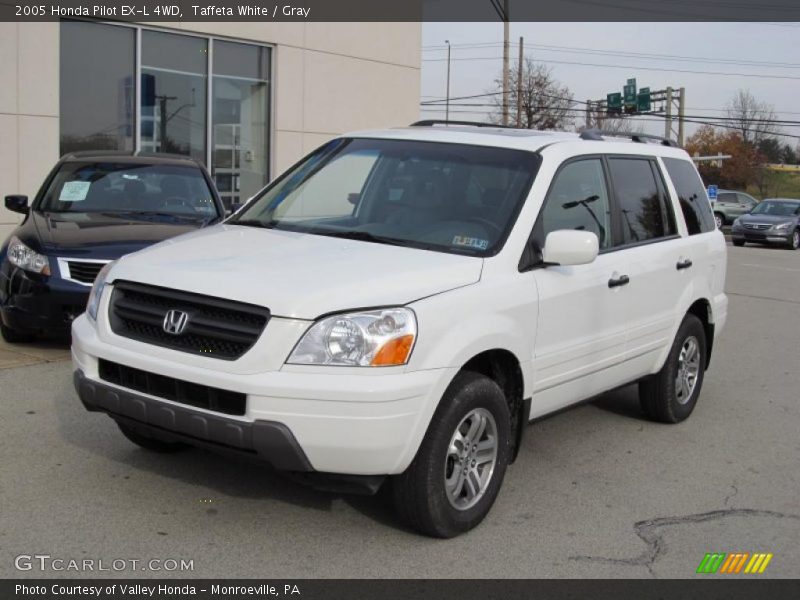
x=92 y=208
x=773 y=221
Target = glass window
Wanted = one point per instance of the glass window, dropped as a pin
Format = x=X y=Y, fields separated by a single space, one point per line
x=132 y=188
x=240 y=138
x=578 y=199
x=748 y=201
x=96 y=87
x=727 y=198
x=638 y=199
x=691 y=194
x=400 y=193
x=174 y=94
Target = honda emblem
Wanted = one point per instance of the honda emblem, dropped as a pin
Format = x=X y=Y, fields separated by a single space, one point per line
x=175 y=322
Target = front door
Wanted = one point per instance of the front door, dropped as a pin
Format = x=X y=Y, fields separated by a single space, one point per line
x=583 y=310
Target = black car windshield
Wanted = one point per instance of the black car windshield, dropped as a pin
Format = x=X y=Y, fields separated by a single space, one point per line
x=127 y=187
x=438 y=196
x=777 y=208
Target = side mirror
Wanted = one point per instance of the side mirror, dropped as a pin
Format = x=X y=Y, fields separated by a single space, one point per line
x=17 y=203
x=568 y=247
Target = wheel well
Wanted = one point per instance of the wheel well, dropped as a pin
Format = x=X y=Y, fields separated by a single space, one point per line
x=702 y=310
x=502 y=367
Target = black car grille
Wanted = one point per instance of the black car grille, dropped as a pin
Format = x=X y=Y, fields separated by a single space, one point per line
x=215 y=327
x=184 y=392
x=757 y=226
x=85 y=272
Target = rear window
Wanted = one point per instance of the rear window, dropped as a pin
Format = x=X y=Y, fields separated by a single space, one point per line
x=691 y=194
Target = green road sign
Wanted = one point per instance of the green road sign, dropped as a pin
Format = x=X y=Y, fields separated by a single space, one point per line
x=629 y=93
x=643 y=100
x=614 y=102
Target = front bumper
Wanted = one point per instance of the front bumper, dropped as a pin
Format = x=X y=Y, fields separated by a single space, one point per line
x=342 y=420
x=764 y=236
x=31 y=303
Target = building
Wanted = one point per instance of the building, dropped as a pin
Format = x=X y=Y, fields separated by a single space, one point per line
x=248 y=99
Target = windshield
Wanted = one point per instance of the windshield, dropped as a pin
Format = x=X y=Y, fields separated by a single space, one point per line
x=169 y=190
x=445 y=197
x=777 y=208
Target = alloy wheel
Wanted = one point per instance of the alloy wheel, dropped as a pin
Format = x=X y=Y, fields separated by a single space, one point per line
x=471 y=459
x=688 y=369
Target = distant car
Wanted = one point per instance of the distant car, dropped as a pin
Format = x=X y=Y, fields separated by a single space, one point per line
x=92 y=208
x=773 y=221
x=730 y=205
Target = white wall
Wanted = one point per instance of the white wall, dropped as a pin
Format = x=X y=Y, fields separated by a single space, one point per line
x=329 y=78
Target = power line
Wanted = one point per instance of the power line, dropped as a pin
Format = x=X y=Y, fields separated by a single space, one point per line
x=639 y=67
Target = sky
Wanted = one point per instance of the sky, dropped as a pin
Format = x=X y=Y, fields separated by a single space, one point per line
x=760 y=57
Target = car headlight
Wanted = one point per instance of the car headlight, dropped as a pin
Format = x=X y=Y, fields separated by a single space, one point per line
x=373 y=338
x=23 y=257
x=97 y=291
x=737 y=222
x=785 y=225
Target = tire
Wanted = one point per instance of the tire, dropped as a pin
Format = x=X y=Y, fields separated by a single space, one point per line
x=149 y=443
x=719 y=219
x=12 y=336
x=421 y=494
x=738 y=243
x=794 y=244
x=661 y=397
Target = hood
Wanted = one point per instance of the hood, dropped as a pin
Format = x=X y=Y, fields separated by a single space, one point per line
x=294 y=274
x=764 y=218
x=103 y=235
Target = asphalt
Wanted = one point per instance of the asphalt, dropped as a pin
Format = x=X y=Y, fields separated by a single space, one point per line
x=596 y=492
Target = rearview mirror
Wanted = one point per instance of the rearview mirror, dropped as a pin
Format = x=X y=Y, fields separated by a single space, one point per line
x=17 y=203
x=568 y=247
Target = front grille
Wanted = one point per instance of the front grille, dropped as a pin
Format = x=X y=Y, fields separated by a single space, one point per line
x=758 y=226
x=84 y=272
x=215 y=327
x=184 y=392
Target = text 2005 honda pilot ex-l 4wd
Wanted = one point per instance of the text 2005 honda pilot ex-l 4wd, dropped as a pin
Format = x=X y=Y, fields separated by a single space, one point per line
x=399 y=304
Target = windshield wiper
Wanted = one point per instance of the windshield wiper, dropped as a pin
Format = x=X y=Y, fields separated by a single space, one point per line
x=253 y=223
x=362 y=236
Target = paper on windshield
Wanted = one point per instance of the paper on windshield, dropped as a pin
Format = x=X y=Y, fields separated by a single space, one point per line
x=74 y=191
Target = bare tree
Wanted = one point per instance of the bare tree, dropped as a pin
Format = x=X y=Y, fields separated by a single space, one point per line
x=754 y=120
x=546 y=104
x=599 y=119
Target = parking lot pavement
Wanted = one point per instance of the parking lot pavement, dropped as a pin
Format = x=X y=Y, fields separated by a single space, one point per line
x=20 y=355
x=596 y=492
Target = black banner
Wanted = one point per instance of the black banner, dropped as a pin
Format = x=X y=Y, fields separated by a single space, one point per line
x=402 y=10
x=733 y=588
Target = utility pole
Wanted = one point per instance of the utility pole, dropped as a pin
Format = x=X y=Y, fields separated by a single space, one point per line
x=588 y=114
x=519 y=83
x=681 y=113
x=447 y=108
x=668 y=116
x=163 y=119
x=505 y=62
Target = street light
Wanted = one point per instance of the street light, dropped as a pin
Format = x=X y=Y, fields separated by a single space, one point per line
x=447 y=105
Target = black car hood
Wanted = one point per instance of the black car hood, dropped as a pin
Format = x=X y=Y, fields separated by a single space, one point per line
x=102 y=235
x=757 y=218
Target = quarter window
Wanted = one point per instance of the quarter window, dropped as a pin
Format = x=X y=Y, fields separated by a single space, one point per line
x=578 y=199
x=640 y=201
x=691 y=194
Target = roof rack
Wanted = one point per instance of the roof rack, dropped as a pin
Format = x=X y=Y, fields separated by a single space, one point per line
x=432 y=122
x=641 y=138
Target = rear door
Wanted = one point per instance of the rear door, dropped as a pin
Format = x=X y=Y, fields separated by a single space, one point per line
x=655 y=254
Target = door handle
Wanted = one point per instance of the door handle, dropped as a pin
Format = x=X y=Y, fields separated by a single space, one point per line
x=683 y=264
x=619 y=281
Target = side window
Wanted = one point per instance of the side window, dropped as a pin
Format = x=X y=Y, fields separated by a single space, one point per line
x=691 y=194
x=748 y=201
x=639 y=199
x=727 y=198
x=578 y=199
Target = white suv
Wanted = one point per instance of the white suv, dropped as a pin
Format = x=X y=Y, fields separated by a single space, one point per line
x=399 y=304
